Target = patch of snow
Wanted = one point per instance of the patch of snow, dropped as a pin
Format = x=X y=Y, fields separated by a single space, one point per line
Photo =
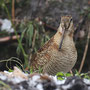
x=21 y=88
x=39 y=87
x=6 y=25
x=88 y=88
x=58 y=82
x=16 y=80
x=3 y=77
x=8 y=72
x=65 y=87
x=35 y=82
x=57 y=89
x=35 y=78
x=86 y=81
x=73 y=81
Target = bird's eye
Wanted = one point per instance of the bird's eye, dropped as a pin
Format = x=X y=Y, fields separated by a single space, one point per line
x=70 y=19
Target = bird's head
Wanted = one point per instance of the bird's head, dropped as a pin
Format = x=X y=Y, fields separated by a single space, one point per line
x=67 y=24
x=66 y=27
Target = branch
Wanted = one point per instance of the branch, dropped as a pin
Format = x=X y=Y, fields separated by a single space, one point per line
x=85 y=51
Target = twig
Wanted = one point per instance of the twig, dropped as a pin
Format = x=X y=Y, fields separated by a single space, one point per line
x=33 y=43
x=46 y=25
x=43 y=23
x=85 y=51
x=34 y=37
x=8 y=38
x=13 y=10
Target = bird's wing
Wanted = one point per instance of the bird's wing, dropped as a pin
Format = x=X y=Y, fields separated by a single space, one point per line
x=42 y=56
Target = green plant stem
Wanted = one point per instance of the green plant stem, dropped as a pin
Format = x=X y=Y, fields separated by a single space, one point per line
x=25 y=55
x=12 y=59
x=7 y=86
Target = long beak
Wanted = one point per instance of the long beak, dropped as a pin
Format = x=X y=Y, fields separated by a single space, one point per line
x=62 y=40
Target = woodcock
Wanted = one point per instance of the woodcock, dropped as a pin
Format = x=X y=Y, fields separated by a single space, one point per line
x=59 y=53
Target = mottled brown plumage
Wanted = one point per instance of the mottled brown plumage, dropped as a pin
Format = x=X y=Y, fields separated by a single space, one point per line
x=59 y=53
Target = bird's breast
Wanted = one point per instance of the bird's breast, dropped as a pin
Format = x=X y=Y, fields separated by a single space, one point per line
x=61 y=60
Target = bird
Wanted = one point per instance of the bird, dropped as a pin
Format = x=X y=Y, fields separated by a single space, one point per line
x=58 y=54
